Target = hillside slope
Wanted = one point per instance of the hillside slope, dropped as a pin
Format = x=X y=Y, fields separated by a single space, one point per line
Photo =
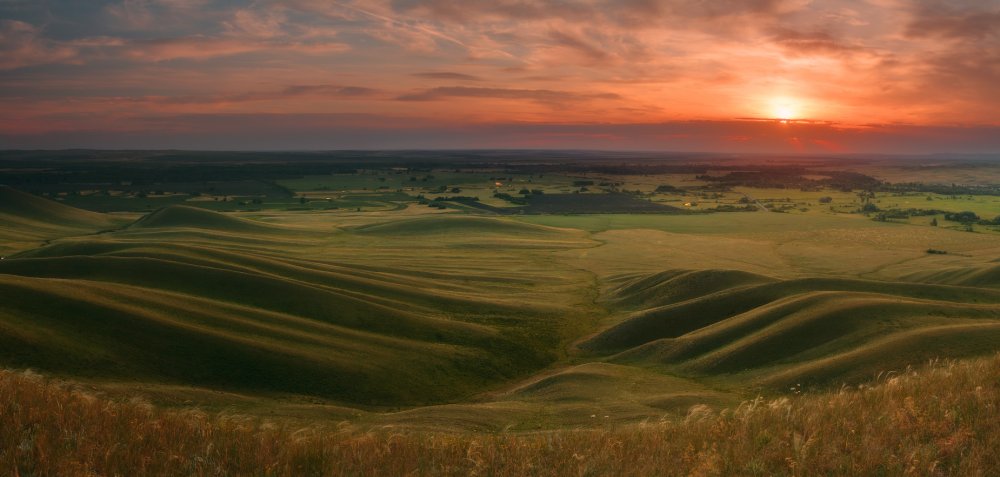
x=762 y=331
x=27 y=208
x=26 y=219
x=190 y=297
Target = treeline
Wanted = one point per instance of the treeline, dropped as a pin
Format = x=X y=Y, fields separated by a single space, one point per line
x=965 y=217
x=781 y=177
x=140 y=174
x=942 y=189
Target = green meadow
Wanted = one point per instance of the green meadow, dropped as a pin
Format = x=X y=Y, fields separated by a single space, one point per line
x=361 y=300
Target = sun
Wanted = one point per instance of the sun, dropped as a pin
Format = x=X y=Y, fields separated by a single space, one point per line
x=785 y=109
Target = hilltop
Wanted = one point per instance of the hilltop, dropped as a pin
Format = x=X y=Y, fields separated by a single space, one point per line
x=182 y=216
x=29 y=209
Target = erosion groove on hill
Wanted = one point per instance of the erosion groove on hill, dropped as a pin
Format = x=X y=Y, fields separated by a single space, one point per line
x=193 y=297
x=815 y=330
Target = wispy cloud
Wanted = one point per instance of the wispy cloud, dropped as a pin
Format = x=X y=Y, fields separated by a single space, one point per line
x=447 y=75
x=813 y=43
x=398 y=23
x=955 y=20
x=23 y=45
x=199 y=47
x=537 y=95
x=321 y=91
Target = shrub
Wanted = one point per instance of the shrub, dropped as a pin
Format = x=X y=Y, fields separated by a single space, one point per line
x=964 y=217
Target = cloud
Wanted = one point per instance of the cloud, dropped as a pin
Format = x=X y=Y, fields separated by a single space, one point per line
x=132 y=13
x=580 y=46
x=955 y=20
x=23 y=45
x=157 y=14
x=537 y=95
x=408 y=33
x=257 y=24
x=203 y=47
x=960 y=68
x=812 y=43
x=447 y=75
x=320 y=91
x=331 y=90
x=628 y=13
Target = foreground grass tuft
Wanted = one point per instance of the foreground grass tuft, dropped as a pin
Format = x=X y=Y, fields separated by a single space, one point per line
x=940 y=420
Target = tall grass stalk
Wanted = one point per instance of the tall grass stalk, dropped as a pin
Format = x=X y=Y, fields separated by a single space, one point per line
x=940 y=420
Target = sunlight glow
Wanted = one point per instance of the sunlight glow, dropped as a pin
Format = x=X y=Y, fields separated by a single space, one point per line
x=784 y=109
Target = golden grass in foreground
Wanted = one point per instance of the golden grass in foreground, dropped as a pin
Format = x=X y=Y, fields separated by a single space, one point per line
x=943 y=420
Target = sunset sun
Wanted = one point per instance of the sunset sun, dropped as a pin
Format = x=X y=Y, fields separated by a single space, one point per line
x=785 y=109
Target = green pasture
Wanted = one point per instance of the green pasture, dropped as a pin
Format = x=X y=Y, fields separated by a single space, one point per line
x=364 y=305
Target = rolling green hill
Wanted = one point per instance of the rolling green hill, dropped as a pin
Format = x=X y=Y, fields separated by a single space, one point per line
x=449 y=225
x=816 y=331
x=469 y=322
x=26 y=220
x=979 y=276
x=190 y=297
x=182 y=216
x=26 y=208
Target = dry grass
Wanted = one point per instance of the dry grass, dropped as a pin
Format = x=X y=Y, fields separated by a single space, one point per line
x=942 y=420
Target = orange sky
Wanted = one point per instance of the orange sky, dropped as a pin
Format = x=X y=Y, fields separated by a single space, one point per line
x=853 y=76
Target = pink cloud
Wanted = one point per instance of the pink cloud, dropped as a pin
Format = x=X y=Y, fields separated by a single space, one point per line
x=209 y=47
x=22 y=45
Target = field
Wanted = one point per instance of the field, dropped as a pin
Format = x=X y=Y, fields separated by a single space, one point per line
x=524 y=313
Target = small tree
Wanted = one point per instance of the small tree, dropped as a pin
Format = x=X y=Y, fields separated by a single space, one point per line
x=869 y=207
x=964 y=217
x=934 y=222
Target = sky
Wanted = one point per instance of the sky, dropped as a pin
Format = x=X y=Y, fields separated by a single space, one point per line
x=834 y=76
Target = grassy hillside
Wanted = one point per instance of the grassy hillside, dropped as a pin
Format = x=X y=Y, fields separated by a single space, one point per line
x=182 y=216
x=21 y=206
x=816 y=331
x=26 y=220
x=976 y=276
x=190 y=297
x=940 y=420
x=449 y=225
x=419 y=319
x=670 y=318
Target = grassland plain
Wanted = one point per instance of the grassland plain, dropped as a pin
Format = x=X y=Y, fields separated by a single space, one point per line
x=416 y=319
